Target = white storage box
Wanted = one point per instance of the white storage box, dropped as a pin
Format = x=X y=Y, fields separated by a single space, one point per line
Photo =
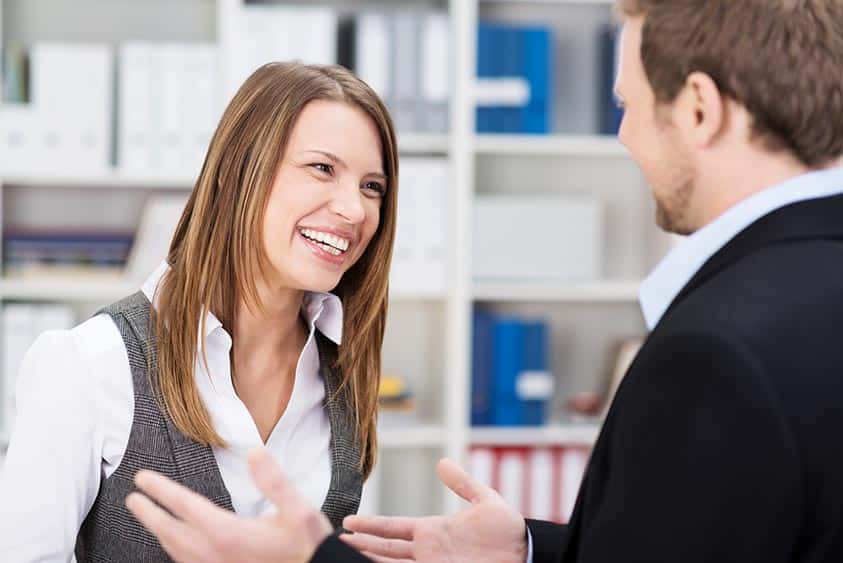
x=72 y=91
x=537 y=238
x=420 y=252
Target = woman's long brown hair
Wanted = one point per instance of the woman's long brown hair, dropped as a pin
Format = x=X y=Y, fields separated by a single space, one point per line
x=216 y=254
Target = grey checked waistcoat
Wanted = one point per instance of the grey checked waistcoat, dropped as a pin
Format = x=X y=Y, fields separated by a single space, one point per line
x=111 y=533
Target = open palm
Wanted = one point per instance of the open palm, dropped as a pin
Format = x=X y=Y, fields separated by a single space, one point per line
x=193 y=529
x=486 y=530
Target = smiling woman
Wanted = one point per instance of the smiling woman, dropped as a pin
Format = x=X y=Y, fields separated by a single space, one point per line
x=263 y=326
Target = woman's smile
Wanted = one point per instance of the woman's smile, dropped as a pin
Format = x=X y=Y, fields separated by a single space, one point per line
x=330 y=247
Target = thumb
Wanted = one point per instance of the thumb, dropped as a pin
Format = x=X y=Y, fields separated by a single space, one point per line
x=458 y=480
x=270 y=479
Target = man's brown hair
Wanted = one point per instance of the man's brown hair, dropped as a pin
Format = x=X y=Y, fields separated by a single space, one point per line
x=780 y=59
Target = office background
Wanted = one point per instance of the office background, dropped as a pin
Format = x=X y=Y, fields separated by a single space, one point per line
x=524 y=227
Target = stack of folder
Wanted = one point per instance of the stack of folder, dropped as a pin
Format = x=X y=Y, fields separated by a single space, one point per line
x=511 y=382
x=404 y=55
x=513 y=55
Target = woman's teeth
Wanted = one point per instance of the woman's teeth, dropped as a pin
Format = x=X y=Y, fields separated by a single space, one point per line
x=329 y=243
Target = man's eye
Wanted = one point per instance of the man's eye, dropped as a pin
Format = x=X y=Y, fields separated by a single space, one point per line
x=322 y=167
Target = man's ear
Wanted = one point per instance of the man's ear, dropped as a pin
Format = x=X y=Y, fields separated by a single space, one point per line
x=700 y=110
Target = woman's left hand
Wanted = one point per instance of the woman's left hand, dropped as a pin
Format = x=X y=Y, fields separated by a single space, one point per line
x=197 y=530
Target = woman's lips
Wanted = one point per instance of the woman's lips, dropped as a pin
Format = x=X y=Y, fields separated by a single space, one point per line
x=323 y=254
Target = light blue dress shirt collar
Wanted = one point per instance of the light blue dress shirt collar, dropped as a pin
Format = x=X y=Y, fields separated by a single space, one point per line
x=665 y=282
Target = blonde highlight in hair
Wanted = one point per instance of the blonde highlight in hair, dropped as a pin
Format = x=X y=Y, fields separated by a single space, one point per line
x=216 y=254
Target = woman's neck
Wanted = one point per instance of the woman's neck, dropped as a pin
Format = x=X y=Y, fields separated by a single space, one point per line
x=268 y=340
x=265 y=353
x=264 y=334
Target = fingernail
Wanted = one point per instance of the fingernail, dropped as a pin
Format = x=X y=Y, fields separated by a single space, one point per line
x=143 y=478
x=131 y=499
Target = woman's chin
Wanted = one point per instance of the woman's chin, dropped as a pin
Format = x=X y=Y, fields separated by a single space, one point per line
x=319 y=284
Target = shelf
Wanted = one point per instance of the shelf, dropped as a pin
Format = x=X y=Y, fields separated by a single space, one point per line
x=433 y=436
x=107 y=289
x=421 y=143
x=398 y=294
x=79 y=290
x=411 y=436
x=409 y=144
x=569 y=434
x=107 y=180
x=422 y=436
x=622 y=291
x=552 y=145
x=562 y=2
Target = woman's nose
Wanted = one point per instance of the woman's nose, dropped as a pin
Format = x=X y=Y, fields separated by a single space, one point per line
x=347 y=201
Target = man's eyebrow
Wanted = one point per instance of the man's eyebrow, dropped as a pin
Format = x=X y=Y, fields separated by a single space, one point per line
x=340 y=162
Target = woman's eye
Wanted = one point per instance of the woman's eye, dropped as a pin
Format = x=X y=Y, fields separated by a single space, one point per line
x=322 y=167
x=375 y=187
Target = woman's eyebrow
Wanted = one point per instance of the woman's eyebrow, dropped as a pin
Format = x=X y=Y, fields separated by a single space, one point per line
x=340 y=162
x=330 y=156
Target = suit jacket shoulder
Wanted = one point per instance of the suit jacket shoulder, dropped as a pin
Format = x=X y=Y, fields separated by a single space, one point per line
x=717 y=446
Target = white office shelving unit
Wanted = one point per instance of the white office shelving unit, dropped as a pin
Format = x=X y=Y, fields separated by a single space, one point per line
x=560 y=2
x=108 y=180
x=584 y=316
x=570 y=434
x=549 y=145
x=416 y=436
x=583 y=292
x=70 y=289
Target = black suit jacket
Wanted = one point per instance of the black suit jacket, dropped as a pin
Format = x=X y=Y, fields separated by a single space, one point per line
x=723 y=441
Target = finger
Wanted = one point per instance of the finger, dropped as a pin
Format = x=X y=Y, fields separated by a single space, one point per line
x=271 y=480
x=458 y=480
x=380 y=559
x=182 y=502
x=384 y=526
x=395 y=549
x=175 y=536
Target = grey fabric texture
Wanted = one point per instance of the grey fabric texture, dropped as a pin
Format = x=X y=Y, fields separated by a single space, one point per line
x=111 y=533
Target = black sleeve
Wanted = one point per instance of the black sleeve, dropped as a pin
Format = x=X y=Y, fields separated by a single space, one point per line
x=548 y=540
x=334 y=550
x=701 y=463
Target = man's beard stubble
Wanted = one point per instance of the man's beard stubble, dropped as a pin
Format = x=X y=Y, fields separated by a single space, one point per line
x=671 y=209
x=673 y=203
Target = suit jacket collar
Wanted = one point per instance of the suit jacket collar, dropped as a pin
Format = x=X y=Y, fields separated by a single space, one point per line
x=814 y=219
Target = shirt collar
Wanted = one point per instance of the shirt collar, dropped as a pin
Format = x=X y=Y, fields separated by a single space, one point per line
x=668 y=278
x=324 y=311
x=320 y=310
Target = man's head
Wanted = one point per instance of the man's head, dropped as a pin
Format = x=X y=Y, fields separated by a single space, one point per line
x=725 y=97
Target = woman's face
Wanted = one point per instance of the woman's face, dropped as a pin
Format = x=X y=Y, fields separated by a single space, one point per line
x=326 y=197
